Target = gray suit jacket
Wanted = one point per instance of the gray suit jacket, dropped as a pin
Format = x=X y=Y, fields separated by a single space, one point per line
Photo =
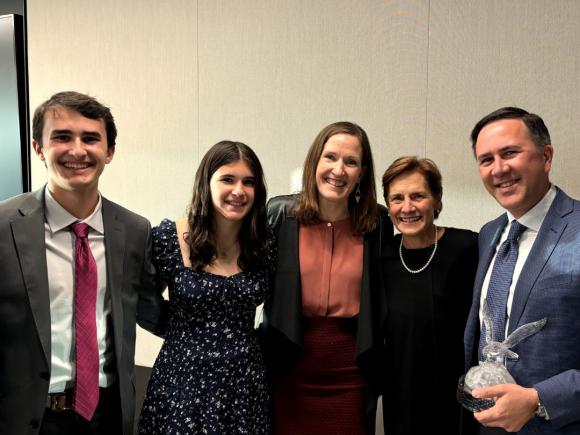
x=549 y=286
x=25 y=340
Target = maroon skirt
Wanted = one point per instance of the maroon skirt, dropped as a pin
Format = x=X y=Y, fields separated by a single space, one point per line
x=325 y=393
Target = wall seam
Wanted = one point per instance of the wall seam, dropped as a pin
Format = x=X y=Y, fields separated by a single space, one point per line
x=427 y=75
x=198 y=77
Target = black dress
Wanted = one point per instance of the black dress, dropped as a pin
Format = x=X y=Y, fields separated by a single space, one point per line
x=424 y=333
x=209 y=375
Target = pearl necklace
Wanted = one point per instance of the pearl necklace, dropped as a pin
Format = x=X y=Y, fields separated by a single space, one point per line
x=428 y=261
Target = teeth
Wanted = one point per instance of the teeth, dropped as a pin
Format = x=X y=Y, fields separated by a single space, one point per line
x=335 y=183
x=71 y=165
x=410 y=219
x=507 y=183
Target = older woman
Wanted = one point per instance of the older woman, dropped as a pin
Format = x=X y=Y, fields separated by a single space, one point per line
x=321 y=322
x=430 y=272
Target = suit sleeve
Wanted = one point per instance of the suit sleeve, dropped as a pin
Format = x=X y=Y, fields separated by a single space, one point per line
x=560 y=395
x=556 y=295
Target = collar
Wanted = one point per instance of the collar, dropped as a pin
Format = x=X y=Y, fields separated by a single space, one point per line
x=58 y=218
x=535 y=216
x=342 y=224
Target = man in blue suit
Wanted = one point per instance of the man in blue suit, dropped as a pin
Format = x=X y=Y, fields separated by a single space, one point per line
x=514 y=156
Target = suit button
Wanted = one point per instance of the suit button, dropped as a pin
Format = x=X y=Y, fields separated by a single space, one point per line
x=35 y=423
x=45 y=376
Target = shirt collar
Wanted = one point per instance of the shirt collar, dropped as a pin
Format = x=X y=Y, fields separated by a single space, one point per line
x=58 y=218
x=534 y=217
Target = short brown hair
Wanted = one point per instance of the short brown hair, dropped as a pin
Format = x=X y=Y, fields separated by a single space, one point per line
x=409 y=164
x=363 y=215
x=536 y=127
x=87 y=106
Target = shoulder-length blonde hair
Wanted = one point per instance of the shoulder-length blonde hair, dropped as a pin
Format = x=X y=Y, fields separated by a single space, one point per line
x=363 y=215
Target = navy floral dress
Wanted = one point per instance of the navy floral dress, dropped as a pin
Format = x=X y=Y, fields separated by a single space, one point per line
x=209 y=375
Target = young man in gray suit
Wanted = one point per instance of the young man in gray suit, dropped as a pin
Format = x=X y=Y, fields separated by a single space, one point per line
x=514 y=155
x=76 y=276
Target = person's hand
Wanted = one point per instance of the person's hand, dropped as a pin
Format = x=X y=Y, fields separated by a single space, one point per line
x=514 y=406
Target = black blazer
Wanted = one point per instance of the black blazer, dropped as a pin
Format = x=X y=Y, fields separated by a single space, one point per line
x=25 y=306
x=281 y=327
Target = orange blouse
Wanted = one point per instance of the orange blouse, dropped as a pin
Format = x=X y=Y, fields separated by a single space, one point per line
x=331 y=265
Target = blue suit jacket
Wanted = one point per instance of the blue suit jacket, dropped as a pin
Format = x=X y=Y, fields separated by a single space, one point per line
x=548 y=286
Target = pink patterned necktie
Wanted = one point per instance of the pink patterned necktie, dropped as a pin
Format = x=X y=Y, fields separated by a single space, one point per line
x=86 y=391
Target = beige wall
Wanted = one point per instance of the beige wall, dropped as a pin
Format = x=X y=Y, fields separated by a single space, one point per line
x=180 y=75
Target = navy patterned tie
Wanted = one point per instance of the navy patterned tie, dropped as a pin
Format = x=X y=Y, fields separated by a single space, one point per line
x=500 y=282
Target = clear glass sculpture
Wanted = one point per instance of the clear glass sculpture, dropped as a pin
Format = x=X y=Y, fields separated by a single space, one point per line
x=492 y=371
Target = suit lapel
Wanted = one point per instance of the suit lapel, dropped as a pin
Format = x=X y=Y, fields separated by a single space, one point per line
x=28 y=233
x=115 y=254
x=365 y=339
x=285 y=311
x=488 y=239
x=545 y=243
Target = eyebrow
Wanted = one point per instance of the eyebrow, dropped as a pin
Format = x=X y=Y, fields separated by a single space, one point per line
x=345 y=156
x=53 y=132
x=503 y=149
x=92 y=133
x=422 y=192
x=234 y=176
x=84 y=133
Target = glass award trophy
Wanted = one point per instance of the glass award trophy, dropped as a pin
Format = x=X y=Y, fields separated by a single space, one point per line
x=492 y=371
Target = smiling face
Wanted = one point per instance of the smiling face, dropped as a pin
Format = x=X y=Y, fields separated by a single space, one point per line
x=74 y=150
x=412 y=206
x=338 y=171
x=514 y=170
x=232 y=191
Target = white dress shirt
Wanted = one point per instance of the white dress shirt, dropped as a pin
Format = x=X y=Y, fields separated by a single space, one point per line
x=60 y=260
x=533 y=220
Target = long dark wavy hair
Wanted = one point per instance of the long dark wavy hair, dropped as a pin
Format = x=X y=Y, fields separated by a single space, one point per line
x=363 y=215
x=253 y=236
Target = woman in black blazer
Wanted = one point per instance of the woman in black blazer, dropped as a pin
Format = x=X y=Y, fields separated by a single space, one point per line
x=322 y=321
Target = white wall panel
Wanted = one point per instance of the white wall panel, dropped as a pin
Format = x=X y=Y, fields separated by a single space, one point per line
x=486 y=55
x=274 y=73
x=138 y=57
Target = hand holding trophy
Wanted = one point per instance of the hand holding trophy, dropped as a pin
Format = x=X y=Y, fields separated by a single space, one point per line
x=492 y=371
